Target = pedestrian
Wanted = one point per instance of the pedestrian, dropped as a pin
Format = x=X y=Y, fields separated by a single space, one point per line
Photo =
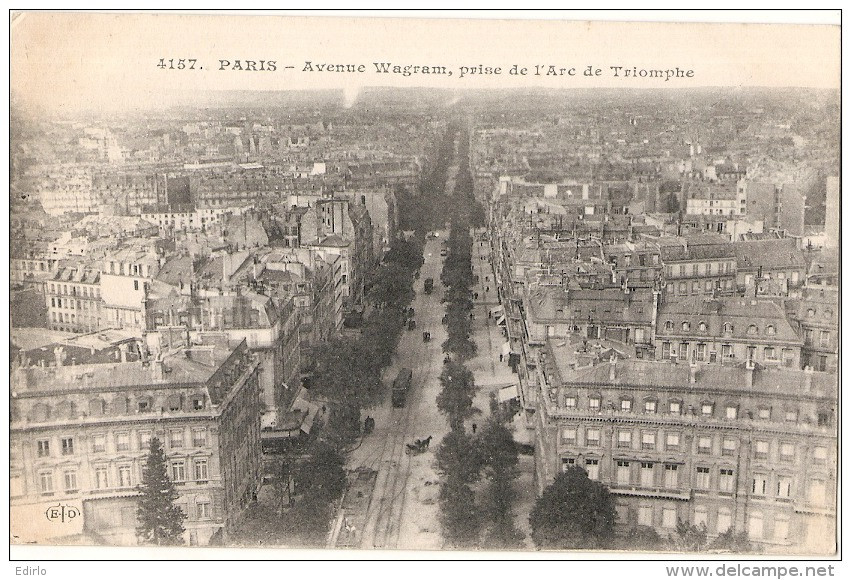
x=474 y=428
x=487 y=288
x=501 y=357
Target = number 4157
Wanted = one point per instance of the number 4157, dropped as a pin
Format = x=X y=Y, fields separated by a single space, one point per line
x=177 y=64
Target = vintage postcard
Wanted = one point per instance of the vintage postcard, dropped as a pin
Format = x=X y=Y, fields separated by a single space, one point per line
x=411 y=282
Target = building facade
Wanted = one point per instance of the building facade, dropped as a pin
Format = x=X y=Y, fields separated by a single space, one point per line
x=80 y=436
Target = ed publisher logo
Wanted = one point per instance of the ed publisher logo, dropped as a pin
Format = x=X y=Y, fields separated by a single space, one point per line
x=61 y=513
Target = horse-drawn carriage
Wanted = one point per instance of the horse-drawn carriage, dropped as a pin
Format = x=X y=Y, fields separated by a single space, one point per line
x=418 y=446
x=368 y=425
x=426 y=336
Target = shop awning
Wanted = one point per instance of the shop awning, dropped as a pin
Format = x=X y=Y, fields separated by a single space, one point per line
x=507 y=393
x=506 y=348
x=497 y=312
x=501 y=320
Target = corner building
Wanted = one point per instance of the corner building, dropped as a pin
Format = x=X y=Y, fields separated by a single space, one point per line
x=726 y=447
x=80 y=436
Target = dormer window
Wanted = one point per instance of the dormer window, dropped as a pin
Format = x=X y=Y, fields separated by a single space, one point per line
x=686 y=326
x=770 y=330
x=752 y=329
x=669 y=326
x=702 y=326
x=728 y=328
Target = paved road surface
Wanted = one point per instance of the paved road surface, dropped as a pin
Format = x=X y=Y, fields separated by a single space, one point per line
x=403 y=509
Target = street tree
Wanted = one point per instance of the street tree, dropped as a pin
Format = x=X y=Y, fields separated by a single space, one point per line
x=456 y=398
x=460 y=518
x=498 y=454
x=457 y=456
x=573 y=513
x=159 y=519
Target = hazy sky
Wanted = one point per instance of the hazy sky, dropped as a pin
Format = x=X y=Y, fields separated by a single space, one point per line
x=67 y=62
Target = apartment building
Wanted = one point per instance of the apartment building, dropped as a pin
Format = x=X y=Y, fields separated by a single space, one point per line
x=80 y=435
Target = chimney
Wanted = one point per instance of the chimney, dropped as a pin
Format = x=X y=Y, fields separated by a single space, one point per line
x=692 y=372
x=808 y=379
x=749 y=370
x=123 y=349
x=58 y=355
x=612 y=368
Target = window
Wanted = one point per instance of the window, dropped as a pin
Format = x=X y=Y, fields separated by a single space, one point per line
x=197 y=402
x=666 y=350
x=724 y=521
x=768 y=353
x=201 y=470
x=700 y=352
x=671 y=476
x=203 y=510
x=568 y=436
x=144 y=406
x=726 y=352
x=645 y=515
x=770 y=330
x=755 y=526
x=701 y=516
x=624 y=439
x=647 y=474
x=732 y=412
x=650 y=406
x=824 y=338
x=135 y=285
x=686 y=326
x=178 y=471
x=592 y=466
x=706 y=409
x=648 y=441
x=704 y=445
x=764 y=413
x=199 y=437
x=570 y=402
x=626 y=405
x=594 y=403
x=622 y=472
x=728 y=328
x=760 y=484
x=101 y=478
x=820 y=455
x=792 y=415
x=70 y=478
x=45 y=481
x=669 y=518
x=728 y=448
x=727 y=481
x=784 y=486
x=144 y=440
x=43 y=448
x=98 y=443
x=124 y=479
x=122 y=441
x=675 y=407
x=787 y=452
x=567 y=462
x=811 y=312
x=703 y=478
x=669 y=326
x=683 y=354
x=761 y=450
x=67 y=446
x=781 y=528
x=175 y=438
x=592 y=437
x=672 y=441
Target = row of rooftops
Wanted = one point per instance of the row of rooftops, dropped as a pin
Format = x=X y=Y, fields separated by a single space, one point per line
x=575 y=362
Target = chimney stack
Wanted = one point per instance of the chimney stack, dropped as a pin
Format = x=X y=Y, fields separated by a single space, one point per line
x=612 y=368
x=692 y=372
x=58 y=353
